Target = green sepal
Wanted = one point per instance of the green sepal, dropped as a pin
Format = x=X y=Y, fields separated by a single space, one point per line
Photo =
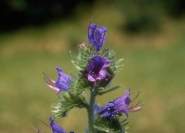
x=84 y=54
x=80 y=85
x=115 y=66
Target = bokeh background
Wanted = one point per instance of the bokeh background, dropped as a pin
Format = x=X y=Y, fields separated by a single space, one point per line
x=36 y=36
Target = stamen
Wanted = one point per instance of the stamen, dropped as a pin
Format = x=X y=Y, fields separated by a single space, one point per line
x=50 y=83
x=49 y=80
x=136 y=96
x=135 y=105
x=45 y=123
x=36 y=129
x=135 y=109
x=53 y=87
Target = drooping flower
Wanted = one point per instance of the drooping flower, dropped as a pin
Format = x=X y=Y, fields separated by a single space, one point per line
x=96 y=68
x=63 y=82
x=96 y=36
x=119 y=106
x=55 y=127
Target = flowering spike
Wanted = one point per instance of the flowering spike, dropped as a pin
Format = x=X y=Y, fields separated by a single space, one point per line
x=97 y=67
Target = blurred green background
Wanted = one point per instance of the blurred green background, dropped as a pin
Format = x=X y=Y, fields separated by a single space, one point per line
x=36 y=36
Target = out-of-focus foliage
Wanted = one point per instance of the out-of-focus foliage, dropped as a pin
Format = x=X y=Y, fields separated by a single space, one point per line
x=144 y=15
x=140 y=15
x=18 y=13
x=175 y=8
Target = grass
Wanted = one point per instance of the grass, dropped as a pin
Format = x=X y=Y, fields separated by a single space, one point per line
x=152 y=63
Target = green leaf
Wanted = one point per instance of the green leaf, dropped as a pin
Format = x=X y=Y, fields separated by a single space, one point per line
x=67 y=101
x=104 y=129
x=109 y=90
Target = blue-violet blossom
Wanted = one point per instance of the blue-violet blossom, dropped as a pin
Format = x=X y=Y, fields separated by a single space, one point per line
x=96 y=36
x=63 y=82
x=55 y=127
x=96 y=68
x=118 y=106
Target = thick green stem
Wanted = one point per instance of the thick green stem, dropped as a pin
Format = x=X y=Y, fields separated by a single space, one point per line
x=90 y=111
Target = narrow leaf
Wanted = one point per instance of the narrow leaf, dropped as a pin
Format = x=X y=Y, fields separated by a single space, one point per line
x=109 y=90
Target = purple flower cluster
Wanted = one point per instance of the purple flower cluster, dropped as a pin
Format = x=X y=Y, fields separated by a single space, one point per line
x=96 y=35
x=118 y=106
x=63 y=82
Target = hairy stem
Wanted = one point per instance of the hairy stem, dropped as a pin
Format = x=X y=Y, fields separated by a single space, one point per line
x=90 y=111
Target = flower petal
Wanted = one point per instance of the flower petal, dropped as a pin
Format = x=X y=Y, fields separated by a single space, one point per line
x=102 y=74
x=91 y=30
x=90 y=78
x=106 y=62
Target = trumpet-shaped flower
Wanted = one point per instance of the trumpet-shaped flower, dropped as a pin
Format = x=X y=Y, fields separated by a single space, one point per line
x=97 y=68
x=63 y=82
x=55 y=127
x=96 y=36
x=118 y=106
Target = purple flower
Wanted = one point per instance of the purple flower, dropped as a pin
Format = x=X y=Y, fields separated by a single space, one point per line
x=118 y=106
x=63 y=82
x=96 y=35
x=96 y=68
x=55 y=127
